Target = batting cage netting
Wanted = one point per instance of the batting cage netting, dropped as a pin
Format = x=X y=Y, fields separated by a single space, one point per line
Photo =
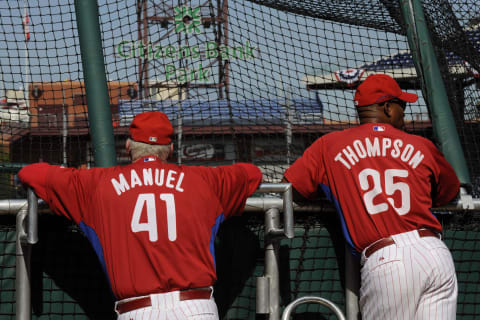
x=250 y=81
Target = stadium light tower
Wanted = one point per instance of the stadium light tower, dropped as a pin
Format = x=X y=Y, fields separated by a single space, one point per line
x=179 y=48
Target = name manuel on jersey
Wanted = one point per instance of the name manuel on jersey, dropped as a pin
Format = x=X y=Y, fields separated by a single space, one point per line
x=379 y=148
x=149 y=177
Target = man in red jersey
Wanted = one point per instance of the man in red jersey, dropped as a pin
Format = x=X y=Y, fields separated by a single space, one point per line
x=383 y=183
x=151 y=223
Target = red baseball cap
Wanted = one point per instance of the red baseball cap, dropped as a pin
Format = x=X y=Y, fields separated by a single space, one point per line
x=151 y=128
x=378 y=88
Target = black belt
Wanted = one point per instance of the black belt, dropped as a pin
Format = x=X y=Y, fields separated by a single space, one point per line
x=382 y=243
x=191 y=294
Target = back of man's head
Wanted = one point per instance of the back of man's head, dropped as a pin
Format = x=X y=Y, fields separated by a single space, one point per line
x=150 y=134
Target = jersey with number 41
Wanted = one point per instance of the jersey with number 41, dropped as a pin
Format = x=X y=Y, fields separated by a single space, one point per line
x=381 y=180
x=152 y=224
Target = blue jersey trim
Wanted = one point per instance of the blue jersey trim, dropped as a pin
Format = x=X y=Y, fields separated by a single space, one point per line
x=328 y=193
x=97 y=247
x=215 y=228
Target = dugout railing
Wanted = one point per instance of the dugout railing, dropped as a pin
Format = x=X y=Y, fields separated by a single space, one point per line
x=267 y=291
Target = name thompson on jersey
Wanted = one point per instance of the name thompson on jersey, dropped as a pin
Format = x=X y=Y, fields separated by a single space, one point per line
x=170 y=179
x=379 y=147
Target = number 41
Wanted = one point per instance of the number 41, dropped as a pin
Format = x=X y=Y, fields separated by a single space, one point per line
x=148 y=200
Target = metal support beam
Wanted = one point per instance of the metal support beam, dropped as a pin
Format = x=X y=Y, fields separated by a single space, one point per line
x=263 y=204
x=22 y=269
x=99 y=114
x=272 y=251
x=268 y=286
x=285 y=204
x=434 y=90
x=32 y=218
x=27 y=234
x=352 y=285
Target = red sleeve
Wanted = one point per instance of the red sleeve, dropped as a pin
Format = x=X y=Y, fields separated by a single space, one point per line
x=306 y=173
x=233 y=184
x=445 y=185
x=35 y=176
x=64 y=189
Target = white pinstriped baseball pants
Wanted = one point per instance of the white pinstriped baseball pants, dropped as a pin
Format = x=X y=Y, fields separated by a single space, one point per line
x=411 y=279
x=167 y=306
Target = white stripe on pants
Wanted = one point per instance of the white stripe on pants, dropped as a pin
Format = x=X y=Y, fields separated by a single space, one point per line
x=411 y=279
x=167 y=306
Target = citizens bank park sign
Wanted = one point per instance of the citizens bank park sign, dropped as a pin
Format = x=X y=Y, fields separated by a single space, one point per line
x=187 y=21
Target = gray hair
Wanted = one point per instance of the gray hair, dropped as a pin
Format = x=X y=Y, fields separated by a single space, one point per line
x=140 y=149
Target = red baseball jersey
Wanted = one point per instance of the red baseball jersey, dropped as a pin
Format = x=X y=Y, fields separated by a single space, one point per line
x=381 y=180
x=152 y=224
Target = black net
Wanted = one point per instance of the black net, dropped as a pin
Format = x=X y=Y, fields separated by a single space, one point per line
x=241 y=81
x=7 y=267
x=254 y=81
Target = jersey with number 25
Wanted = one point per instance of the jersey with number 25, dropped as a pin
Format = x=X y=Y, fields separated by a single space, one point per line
x=152 y=224
x=381 y=180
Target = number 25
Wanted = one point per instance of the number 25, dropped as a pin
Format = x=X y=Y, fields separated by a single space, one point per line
x=148 y=200
x=390 y=188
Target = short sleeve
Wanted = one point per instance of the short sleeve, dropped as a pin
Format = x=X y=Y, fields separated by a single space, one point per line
x=66 y=190
x=305 y=173
x=233 y=184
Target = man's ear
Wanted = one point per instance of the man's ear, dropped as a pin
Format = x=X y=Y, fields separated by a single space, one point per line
x=387 y=109
x=127 y=146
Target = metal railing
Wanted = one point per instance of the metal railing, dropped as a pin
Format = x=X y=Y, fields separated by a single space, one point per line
x=26 y=236
x=309 y=299
x=268 y=295
x=352 y=267
x=268 y=286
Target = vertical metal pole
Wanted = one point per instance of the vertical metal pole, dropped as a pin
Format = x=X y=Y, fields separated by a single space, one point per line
x=352 y=285
x=262 y=305
x=32 y=221
x=434 y=90
x=272 y=246
x=22 y=269
x=27 y=234
x=99 y=115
